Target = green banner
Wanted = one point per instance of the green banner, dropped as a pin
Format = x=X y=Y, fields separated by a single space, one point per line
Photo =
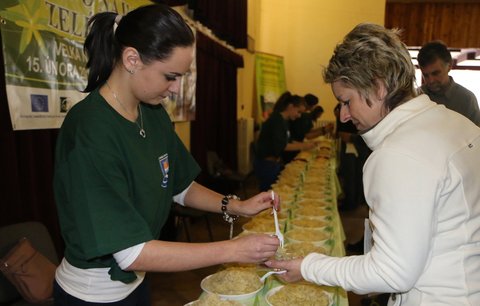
x=270 y=83
x=42 y=43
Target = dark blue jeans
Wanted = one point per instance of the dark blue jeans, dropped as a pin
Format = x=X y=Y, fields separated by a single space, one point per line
x=139 y=297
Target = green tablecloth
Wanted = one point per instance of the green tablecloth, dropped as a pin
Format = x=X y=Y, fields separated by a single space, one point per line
x=338 y=236
x=340 y=295
x=337 y=240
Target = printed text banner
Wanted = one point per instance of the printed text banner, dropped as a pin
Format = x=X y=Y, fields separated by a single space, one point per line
x=42 y=44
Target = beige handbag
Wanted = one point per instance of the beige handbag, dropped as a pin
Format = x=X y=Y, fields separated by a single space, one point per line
x=29 y=271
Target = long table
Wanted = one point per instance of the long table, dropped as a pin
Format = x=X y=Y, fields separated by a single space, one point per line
x=310 y=178
x=319 y=166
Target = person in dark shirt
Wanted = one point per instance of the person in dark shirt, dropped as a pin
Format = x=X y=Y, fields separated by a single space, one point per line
x=303 y=127
x=274 y=137
x=303 y=124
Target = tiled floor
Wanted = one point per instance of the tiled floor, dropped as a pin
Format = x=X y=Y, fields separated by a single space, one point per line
x=179 y=288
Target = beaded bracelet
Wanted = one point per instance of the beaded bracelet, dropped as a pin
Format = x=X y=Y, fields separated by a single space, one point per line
x=226 y=217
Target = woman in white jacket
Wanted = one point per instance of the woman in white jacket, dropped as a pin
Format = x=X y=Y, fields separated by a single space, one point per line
x=421 y=182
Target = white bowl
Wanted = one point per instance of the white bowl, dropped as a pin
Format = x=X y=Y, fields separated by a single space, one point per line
x=234 y=297
x=300 y=249
x=309 y=223
x=276 y=289
x=315 y=202
x=314 y=236
x=214 y=301
x=313 y=212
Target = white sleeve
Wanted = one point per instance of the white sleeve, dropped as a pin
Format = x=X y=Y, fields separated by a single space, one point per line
x=180 y=198
x=126 y=257
x=401 y=194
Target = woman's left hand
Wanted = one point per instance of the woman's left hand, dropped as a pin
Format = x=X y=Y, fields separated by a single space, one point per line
x=292 y=266
x=258 y=203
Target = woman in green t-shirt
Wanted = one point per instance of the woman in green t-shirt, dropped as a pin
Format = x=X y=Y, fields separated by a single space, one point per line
x=119 y=165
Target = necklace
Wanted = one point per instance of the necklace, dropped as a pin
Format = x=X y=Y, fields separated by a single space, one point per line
x=140 y=126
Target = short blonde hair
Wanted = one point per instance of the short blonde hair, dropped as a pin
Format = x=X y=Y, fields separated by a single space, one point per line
x=370 y=54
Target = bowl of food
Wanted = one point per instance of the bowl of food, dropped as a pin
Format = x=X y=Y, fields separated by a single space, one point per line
x=314 y=236
x=325 y=204
x=283 y=188
x=286 y=197
x=298 y=294
x=308 y=223
x=299 y=249
x=233 y=285
x=318 y=193
x=268 y=214
x=304 y=155
x=287 y=181
x=213 y=300
x=311 y=185
x=313 y=212
x=262 y=225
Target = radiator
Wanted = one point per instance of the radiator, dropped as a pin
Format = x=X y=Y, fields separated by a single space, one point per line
x=245 y=139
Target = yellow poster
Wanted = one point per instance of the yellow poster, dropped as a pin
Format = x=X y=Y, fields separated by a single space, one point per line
x=270 y=82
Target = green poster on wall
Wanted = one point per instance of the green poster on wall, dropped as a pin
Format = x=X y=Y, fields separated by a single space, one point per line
x=42 y=44
x=270 y=83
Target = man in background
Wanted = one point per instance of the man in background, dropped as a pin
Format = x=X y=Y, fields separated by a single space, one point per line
x=435 y=62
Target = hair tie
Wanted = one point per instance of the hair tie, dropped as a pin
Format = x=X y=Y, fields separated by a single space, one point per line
x=117 y=21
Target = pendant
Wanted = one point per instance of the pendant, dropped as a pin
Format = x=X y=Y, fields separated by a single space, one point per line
x=142 y=133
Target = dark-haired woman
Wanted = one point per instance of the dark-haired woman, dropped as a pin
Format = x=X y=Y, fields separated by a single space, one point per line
x=274 y=137
x=119 y=163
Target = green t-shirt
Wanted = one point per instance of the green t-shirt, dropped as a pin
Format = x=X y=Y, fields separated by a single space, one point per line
x=114 y=188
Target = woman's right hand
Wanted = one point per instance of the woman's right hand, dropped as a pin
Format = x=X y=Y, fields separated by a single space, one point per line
x=254 y=248
x=252 y=206
x=292 y=266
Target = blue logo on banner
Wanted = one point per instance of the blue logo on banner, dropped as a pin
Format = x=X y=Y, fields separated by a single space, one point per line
x=164 y=166
x=39 y=103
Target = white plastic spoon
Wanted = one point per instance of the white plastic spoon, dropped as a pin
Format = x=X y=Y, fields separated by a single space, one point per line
x=264 y=277
x=278 y=233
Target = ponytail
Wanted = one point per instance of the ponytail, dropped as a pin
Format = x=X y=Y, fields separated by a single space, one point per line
x=102 y=49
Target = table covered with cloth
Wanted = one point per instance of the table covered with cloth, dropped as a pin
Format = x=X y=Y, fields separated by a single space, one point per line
x=308 y=188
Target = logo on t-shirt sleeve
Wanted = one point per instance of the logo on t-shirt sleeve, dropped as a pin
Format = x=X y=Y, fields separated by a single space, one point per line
x=164 y=166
